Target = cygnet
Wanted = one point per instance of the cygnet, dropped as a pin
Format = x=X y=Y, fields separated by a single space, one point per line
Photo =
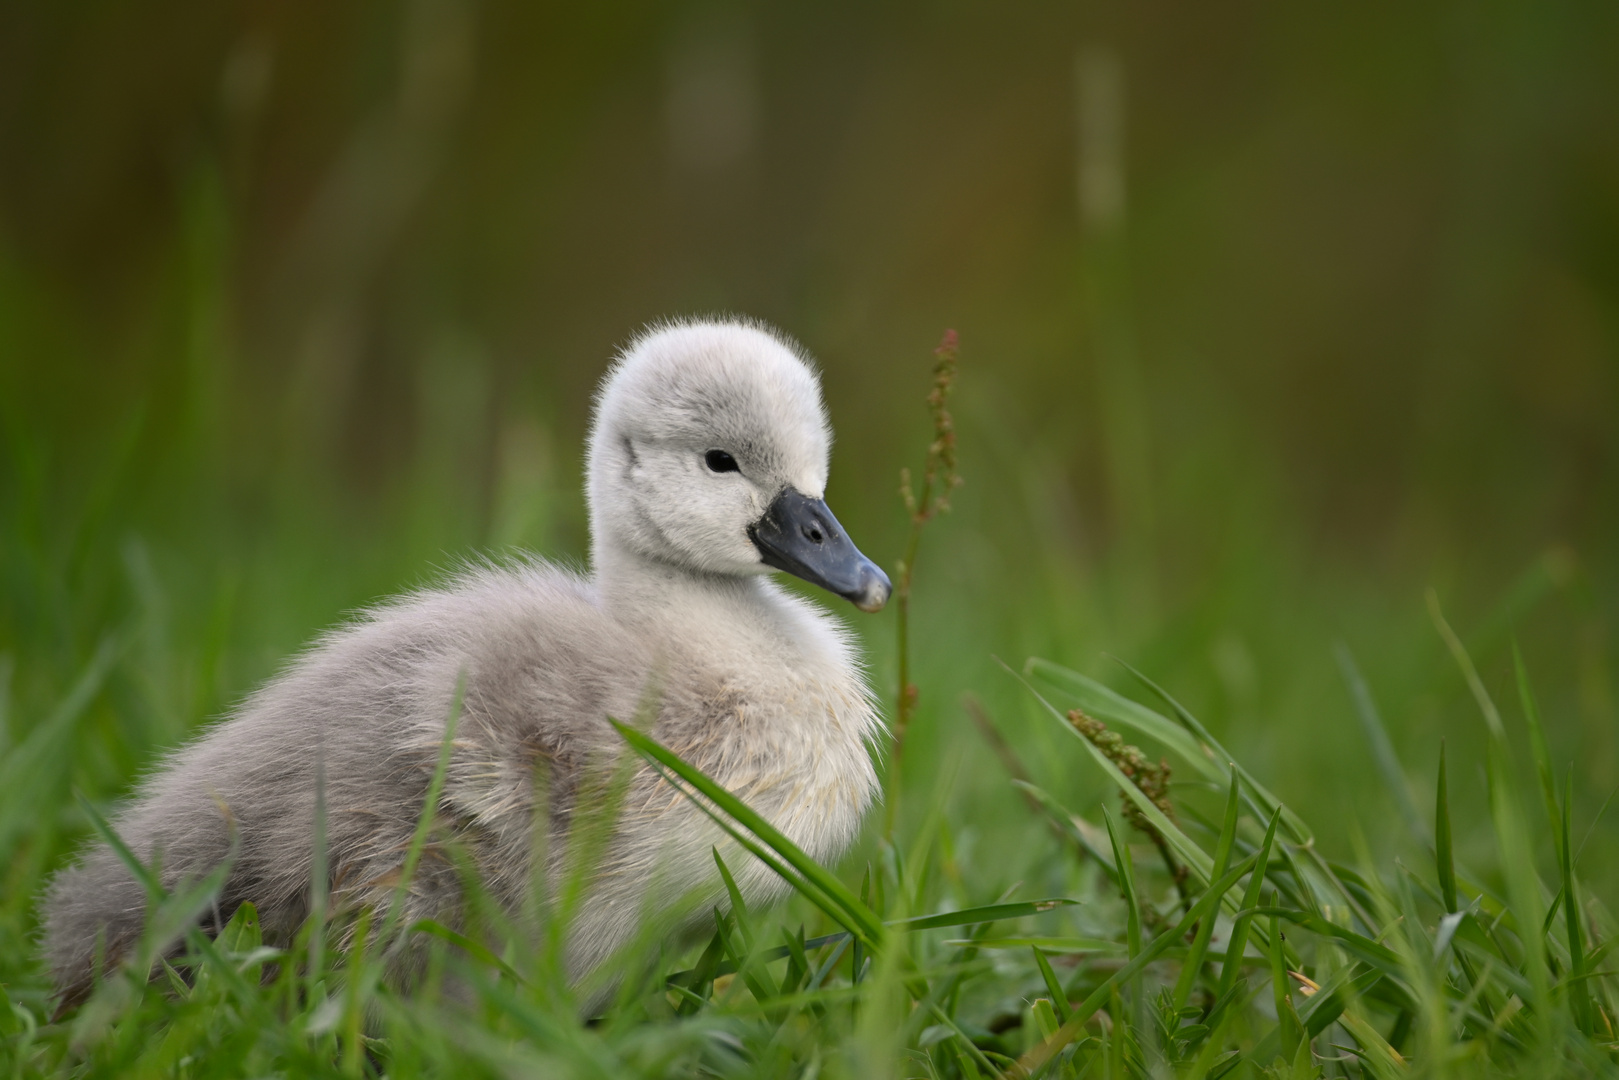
x=706 y=469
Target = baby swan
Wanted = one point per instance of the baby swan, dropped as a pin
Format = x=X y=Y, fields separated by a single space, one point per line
x=707 y=465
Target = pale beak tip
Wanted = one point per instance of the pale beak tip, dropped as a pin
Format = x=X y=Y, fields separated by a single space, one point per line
x=874 y=590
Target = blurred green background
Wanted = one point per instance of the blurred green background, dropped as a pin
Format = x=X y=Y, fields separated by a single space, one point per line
x=1272 y=317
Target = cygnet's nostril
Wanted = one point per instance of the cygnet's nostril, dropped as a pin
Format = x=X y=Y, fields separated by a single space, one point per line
x=813 y=533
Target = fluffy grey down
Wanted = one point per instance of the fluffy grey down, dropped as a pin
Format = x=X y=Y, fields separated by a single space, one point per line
x=676 y=621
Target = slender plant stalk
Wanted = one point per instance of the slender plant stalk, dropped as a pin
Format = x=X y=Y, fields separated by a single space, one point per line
x=939 y=478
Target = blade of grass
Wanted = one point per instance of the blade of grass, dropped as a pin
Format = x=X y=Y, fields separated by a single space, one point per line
x=798 y=964
x=1290 y=1030
x=1067 y=823
x=1371 y=952
x=986 y=913
x=1195 y=857
x=865 y=922
x=1059 y=999
x=1108 y=704
x=1238 y=943
x=1044 y=944
x=34 y=772
x=1037 y=1056
x=1579 y=993
x=1205 y=929
x=1371 y=724
x=1441 y=832
x=1127 y=884
x=974 y=916
x=739 y=907
x=799 y=884
x=1321 y=1009
x=1511 y=828
x=477 y=950
x=424 y=822
x=1295 y=824
x=1537 y=737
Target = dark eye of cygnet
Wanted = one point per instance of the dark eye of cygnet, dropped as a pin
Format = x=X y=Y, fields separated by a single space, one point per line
x=720 y=461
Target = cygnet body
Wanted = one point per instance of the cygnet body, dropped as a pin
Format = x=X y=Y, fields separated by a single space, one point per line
x=707 y=467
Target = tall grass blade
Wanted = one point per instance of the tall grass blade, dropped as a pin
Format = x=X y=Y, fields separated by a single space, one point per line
x=1371 y=724
x=1127 y=884
x=1290 y=1031
x=986 y=913
x=1107 y=704
x=1205 y=929
x=1579 y=993
x=1537 y=737
x=34 y=772
x=739 y=907
x=1059 y=997
x=424 y=822
x=1295 y=825
x=1039 y=1055
x=1524 y=887
x=1071 y=827
x=1475 y=685
x=1239 y=929
x=1188 y=851
x=1443 y=858
x=1373 y=953
x=861 y=919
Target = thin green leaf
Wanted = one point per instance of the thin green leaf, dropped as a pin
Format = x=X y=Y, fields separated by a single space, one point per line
x=1441 y=833
x=864 y=922
x=1059 y=997
x=1290 y=1030
x=799 y=884
x=477 y=950
x=1239 y=928
x=1113 y=707
x=1037 y=1057
x=1511 y=827
x=1188 y=851
x=985 y=914
x=35 y=770
x=1295 y=825
x=1045 y=944
x=1127 y=884
x=1377 y=955
x=1072 y=826
x=1579 y=993
x=798 y=964
x=1322 y=1008
x=1537 y=737
x=739 y=907
x=424 y=823
x=1205 y=929
x=1371 y=724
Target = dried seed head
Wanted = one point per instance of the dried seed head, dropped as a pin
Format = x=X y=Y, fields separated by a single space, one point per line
x=1151 y=780
x=939 y=475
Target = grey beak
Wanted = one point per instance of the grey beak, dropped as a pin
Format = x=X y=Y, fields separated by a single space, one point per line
x=798 y=534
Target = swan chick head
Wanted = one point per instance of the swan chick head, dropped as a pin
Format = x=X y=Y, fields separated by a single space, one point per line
x=709 y=451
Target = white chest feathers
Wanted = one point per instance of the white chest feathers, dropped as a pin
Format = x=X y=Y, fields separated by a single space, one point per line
x=764 y=693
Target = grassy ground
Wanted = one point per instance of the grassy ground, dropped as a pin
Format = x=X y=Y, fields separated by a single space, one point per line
x=1037 y=896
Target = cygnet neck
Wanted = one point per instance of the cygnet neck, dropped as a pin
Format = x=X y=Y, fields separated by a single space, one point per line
x=637 y=586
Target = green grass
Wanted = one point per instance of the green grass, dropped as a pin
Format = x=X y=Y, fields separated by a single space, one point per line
x=1202 y=929
x=1341 y=967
